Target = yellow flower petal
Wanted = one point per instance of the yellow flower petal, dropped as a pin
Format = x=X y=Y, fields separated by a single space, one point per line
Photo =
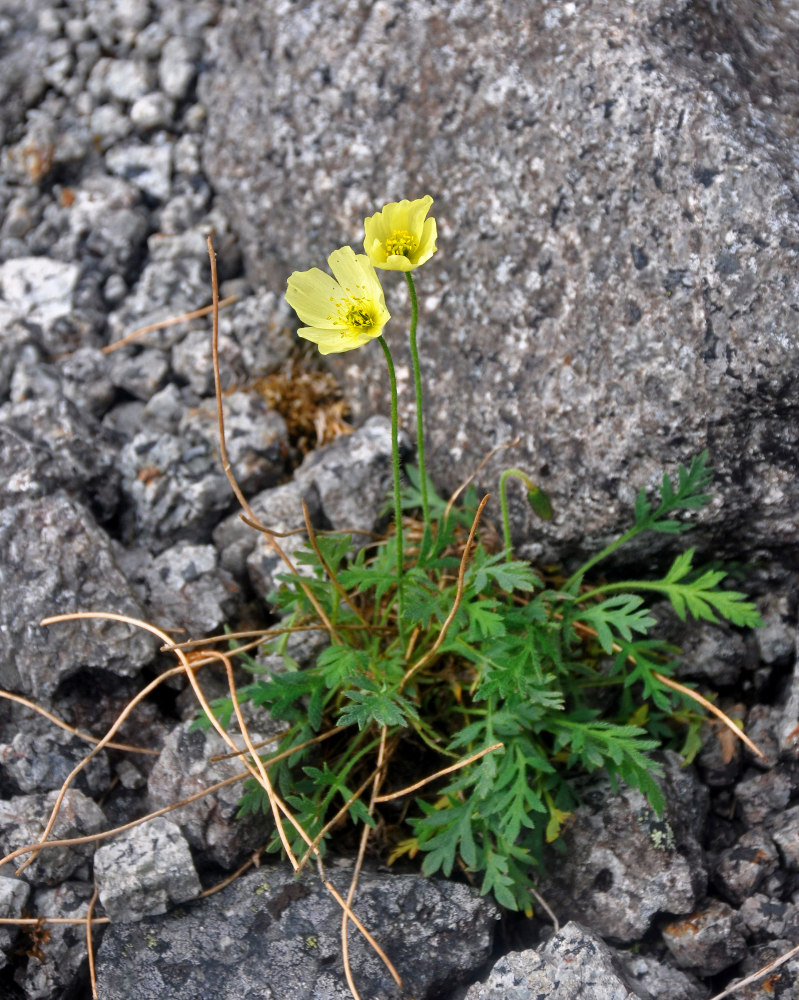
x=333 y=341
x=399 y=238
x=313 y=296
x=343 y=312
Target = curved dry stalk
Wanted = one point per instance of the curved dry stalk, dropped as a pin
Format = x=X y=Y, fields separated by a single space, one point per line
x=186 y=668
x=285 y=753
x=757 y=975
x=326 y=531
x=455 y=604
x=274 y=800
x=226 y=467
x=32 y=921
x=164 y=323
x=688 y=692
x=341 y=813
x=108 y=616
x=264 y=782
x=189 y=670
x=546 y=908
x=332 y=576
x=107 y=834
x=439 y=774
x=254 y=859
x=258 y=772
x=356 y=872
x=87 y=737
x=700 y=700
x=89 y=945
x=265 y=633
x=369 y=939
x=453 y=498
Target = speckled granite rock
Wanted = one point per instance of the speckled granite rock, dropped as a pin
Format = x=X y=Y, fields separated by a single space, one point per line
x=574 y=964
x=145 y=871
x=270 y=936
x=617 y=265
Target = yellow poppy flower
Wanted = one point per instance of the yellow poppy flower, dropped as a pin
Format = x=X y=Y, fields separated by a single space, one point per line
x=343 y=312
x=400 y=238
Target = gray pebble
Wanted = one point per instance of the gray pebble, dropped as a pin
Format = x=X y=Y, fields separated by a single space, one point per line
x=188 y=590
x=741 y=869
x=147 y=166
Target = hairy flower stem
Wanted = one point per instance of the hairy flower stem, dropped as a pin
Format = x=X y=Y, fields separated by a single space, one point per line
x=395 y=462
x=417 y=384
x=503 y=499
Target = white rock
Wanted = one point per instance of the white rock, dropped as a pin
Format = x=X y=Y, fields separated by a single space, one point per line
x=38 y=288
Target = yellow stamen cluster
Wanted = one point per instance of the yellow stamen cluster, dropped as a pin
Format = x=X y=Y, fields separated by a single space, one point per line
x=401 y=243
x=400 y=237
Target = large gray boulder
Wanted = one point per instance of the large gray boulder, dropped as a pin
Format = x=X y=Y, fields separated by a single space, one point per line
x=616 y=281
x=271 y=936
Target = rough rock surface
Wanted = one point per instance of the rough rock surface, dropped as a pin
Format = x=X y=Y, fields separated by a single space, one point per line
x=574 y=964
x=39 y=758
x=617 y=273
x=352 y=477
x=145 y=871
x=57 y=966
x=707 y=941
x=47 y=444
x=210 y=824
x=271 y=936
x=616 y=190
x=55 y=559
x=623 y=865
x=14 y=894
x=22 y=822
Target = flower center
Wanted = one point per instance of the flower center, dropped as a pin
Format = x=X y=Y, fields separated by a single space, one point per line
x=401 y=243
x=359 y=316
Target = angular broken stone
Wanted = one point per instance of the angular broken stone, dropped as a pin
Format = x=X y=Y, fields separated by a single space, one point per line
x=211 y=824
x=708 y=941
x=186 y=588
x=54 y=559
x=623 y=865
x=39 y=756
x=47 y=444
x=740 y=870
x=352 y=477
x=145 y=871
x=572 y=965
x=22 y=822
x=55 y=971
x=14 y=894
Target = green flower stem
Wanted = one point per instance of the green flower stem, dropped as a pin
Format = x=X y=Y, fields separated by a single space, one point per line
x=417 y=384
x=576 y=577
x=503 y=499
x=395 y=461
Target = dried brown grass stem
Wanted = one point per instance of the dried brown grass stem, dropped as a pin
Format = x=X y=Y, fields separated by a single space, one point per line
x=164 y=323
x=424 y=659
x=71 y=729
x=389 y=796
